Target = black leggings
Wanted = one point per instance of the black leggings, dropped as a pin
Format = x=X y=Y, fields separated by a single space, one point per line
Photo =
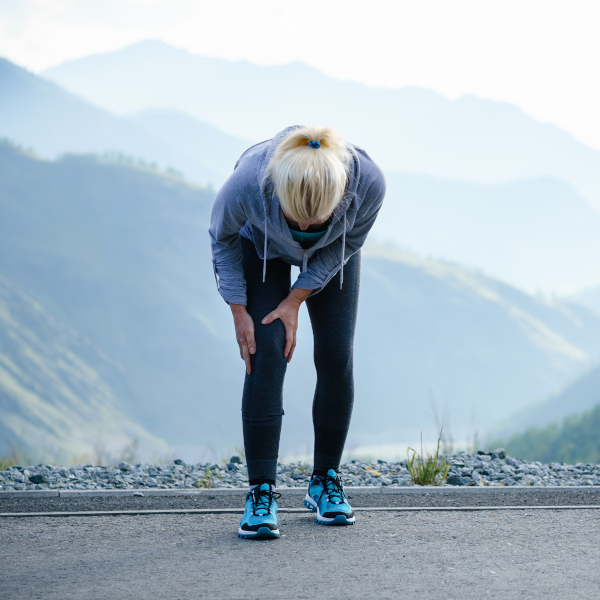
x=333 y=317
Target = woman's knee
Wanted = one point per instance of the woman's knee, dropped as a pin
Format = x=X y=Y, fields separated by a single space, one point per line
x=270 y=340
x=334 y=365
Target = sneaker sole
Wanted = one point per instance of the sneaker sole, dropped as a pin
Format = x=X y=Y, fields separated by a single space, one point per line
x=264 y=533
x=310 y=503
x=339 y=520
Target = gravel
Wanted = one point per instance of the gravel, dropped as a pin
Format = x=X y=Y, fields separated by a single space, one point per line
x=492 y=469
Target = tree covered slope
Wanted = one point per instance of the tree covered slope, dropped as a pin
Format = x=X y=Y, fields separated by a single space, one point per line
x=55 y=399
x=574 y=439
x=578 y=397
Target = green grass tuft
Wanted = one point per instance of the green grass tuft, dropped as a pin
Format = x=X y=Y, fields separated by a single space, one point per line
x=207 y=481
x=304 y=468
x=15 y=458
x=427 y=470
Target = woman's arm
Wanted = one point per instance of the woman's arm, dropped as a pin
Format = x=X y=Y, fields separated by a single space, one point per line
x=227 y=217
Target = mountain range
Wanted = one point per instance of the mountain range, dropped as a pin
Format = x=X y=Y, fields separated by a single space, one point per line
x=120 y=255
x=39 y=114
x=537 y=234
x=407 y=130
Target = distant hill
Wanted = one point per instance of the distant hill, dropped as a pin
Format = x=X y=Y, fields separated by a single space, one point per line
x=474 y=345
x=122 y=256
x=590 y=298
x=39 y=114
x=575 y=439
x=195 y=139
x=579 y=396
x=408 y=130
x=536 y=234
x=55 y=401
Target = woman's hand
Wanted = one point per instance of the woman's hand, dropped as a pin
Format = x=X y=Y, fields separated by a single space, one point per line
x=244 y=332
x=287 y=311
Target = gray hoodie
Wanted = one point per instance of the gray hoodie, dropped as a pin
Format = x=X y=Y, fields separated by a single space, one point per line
x=247 y=205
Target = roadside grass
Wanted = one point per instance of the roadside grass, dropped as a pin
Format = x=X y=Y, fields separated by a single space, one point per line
x=239 y=452
x=304 y=468
x=6 y=462
x=15 y=458
x=427 y=469
x=207 y=481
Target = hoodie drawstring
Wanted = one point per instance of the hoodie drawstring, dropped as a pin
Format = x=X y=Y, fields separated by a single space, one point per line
x=343 y=253
x=265 y=250
x=305 y=259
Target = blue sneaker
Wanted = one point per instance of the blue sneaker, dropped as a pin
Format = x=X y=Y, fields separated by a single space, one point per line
x=260 y=517
x=326 y=497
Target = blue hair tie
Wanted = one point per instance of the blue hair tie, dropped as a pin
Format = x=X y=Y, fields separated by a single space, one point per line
x=314 y=144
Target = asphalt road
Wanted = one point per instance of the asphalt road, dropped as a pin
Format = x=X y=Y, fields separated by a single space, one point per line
x=495 y=497
x=458 y=555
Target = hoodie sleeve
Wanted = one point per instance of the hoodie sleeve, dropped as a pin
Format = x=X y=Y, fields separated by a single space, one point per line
x=325 y=263
x=227 y=217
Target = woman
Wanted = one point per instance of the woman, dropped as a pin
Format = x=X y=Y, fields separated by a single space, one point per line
x=304 y=198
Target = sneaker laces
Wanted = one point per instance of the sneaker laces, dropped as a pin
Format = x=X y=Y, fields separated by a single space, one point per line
x=332 y=486
x=263 y=499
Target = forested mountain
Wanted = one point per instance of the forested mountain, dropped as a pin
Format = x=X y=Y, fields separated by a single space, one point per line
x=579 y=396
x=55 y=399
x=121 y=256
x=408 y=130
x=573 y=440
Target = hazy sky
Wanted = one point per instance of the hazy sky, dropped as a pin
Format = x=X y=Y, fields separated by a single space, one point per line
x=542 y=55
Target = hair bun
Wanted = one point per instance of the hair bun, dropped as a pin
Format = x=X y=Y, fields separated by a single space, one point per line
x=310 y=184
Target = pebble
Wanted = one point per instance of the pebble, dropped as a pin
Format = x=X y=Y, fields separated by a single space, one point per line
x=493 y=469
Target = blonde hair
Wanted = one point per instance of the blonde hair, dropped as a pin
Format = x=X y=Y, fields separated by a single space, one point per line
x=309 y=181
